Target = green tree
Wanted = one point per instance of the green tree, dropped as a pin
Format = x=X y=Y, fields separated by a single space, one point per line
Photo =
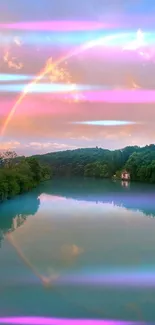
x=20 y=175
x=104 y=171
x=35 y=169
x=8 y=158
x=46 y=172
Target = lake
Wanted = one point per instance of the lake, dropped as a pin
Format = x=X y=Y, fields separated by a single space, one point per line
x=78 y=249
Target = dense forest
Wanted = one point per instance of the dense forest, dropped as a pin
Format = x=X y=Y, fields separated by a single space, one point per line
x=19 y=175
x=102 y=163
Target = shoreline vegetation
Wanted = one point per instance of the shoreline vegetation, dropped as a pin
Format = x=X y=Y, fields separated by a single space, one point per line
x=139 y=162
x=20 y=174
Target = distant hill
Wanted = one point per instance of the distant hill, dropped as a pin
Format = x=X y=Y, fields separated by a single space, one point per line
x=99 y=162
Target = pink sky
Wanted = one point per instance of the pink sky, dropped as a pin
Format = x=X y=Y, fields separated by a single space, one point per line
x=41 y=124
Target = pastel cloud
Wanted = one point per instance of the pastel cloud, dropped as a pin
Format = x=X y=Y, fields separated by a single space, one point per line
x=42 y=125
x=10 y=145
x=34 y=147
x=49 y=146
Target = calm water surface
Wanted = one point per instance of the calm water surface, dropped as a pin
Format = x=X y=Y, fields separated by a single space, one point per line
x=79 y=249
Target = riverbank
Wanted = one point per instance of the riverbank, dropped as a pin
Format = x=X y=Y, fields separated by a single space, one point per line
x=17 y=178
x=20 y=174
x=103 y=163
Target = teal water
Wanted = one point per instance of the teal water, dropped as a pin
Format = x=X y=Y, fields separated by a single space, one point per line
x=76 y=248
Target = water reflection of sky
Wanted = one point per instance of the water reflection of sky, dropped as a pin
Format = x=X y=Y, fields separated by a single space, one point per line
x=72 y=207
x=78 y=245
x=66 y=234
x=136 y=197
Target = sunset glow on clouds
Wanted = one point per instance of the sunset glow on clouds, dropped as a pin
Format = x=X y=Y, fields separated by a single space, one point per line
x=104 y=75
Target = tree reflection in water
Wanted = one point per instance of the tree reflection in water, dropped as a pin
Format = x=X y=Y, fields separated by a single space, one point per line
x=13 y=213
x=136 y=197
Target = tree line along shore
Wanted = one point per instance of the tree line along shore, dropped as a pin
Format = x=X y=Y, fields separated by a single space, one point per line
x=21 y=174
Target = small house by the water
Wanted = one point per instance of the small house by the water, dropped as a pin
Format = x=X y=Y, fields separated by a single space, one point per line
x=125 y=176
